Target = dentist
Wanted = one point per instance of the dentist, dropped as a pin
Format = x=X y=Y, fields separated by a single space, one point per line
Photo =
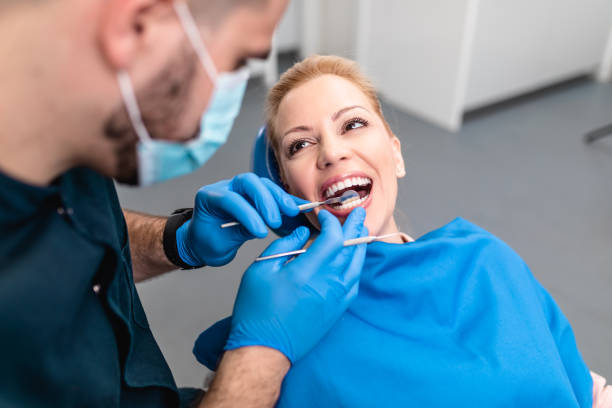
x=141 y=91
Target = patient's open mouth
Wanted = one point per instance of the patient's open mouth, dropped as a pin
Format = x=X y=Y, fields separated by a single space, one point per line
x=361 y=185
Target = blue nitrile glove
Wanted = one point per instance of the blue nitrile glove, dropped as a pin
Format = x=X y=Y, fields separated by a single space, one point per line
x=290 y=306
x=251 y=200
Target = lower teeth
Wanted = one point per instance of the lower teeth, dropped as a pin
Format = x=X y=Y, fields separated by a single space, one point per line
x=351 y=203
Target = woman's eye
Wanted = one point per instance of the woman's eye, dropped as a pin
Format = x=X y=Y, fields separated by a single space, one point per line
x=355 y=124
x=297 y=146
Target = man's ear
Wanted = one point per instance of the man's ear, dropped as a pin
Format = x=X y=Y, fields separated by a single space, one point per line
x=122 y=27
x=398 y=158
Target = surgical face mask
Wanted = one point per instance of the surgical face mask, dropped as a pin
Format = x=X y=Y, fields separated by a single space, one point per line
x=160 y=160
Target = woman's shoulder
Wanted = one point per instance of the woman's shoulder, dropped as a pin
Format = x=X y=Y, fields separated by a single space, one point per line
x=459 y=248
x=453 y=241
x=457 y=228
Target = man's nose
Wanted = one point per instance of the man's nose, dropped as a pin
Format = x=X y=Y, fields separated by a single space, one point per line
x=332 y=150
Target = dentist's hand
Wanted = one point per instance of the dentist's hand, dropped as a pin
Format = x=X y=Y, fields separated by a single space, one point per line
x=290 y=306
x=252 y=201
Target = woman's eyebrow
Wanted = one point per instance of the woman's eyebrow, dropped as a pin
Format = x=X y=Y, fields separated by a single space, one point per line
x=336 y=115
x=301 y=128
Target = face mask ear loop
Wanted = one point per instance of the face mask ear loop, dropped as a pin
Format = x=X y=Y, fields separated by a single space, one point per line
x=193 y=35
x=131 y=105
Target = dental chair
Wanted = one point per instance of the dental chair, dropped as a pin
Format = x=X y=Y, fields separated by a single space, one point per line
x=263 y=163
x=598 y=133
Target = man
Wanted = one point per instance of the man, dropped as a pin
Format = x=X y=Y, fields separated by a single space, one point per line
x=99 y=89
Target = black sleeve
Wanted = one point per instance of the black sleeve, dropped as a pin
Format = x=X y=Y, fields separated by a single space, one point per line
x=190 y=397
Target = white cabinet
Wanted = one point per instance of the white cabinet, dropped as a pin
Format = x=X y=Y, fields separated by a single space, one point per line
x=521 y=45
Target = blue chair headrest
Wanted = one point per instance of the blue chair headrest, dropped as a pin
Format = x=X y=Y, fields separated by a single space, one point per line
x=264 y=165
x=264 y=162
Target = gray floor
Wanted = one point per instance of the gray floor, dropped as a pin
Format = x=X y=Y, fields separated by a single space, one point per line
x=520 y=170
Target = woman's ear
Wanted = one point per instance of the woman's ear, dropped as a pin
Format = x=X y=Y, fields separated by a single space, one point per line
x=398 y=158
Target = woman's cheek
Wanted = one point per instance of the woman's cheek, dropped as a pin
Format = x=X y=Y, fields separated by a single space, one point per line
x=301 y=186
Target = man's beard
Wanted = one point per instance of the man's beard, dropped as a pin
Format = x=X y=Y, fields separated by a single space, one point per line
x=161 y=104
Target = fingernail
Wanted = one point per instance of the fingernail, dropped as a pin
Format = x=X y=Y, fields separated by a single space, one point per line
x=275 y=221
x=289 y=202
x=274 y=217
x=262 y=231
x=300 y=232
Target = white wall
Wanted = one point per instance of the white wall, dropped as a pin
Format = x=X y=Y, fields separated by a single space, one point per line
x=289 y=31
x=329 y=27
x=604 y=73
x=415 y=52
x=339 y=19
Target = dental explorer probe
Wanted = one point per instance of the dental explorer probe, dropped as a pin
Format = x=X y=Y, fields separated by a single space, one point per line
x=346 y=196
x=348 y=242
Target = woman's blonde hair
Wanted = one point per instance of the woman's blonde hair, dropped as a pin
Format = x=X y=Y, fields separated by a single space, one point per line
x=306 y=70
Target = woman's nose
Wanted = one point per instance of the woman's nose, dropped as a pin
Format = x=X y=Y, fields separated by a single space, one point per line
x=331 y=151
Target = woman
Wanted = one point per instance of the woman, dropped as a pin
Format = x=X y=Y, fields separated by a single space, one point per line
x=454 y=318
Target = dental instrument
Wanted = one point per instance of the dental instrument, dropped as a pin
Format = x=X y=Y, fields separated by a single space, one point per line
x=349 y=242
x=345 y=197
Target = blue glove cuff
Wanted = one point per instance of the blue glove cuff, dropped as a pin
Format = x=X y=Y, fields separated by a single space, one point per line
x=169 y=237
x=241 y=336
x=183 y=251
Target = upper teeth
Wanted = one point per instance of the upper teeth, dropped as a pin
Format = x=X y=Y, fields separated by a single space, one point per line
x=346 y=183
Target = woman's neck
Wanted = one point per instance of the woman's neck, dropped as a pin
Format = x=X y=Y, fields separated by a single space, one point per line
x=391 y=228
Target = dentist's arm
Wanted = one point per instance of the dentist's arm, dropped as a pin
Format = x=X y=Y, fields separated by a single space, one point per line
x=253 y=201
x=146 y=245
x=247 y=377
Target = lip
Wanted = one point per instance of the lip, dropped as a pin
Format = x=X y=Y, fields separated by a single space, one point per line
x=335 y=179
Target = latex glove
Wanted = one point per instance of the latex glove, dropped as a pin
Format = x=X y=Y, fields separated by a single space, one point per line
x=252 y=201
x=290 y=306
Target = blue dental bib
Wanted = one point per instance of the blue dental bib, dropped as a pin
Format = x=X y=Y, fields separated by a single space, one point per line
x=454 y=319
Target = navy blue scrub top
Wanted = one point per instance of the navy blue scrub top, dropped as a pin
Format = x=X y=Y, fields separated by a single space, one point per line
x=72 y=329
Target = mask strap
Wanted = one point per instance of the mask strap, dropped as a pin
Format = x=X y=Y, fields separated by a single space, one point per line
x=129 y=98
x=195 y=38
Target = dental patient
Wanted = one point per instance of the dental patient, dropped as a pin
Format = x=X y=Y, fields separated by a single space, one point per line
x=454 y=318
